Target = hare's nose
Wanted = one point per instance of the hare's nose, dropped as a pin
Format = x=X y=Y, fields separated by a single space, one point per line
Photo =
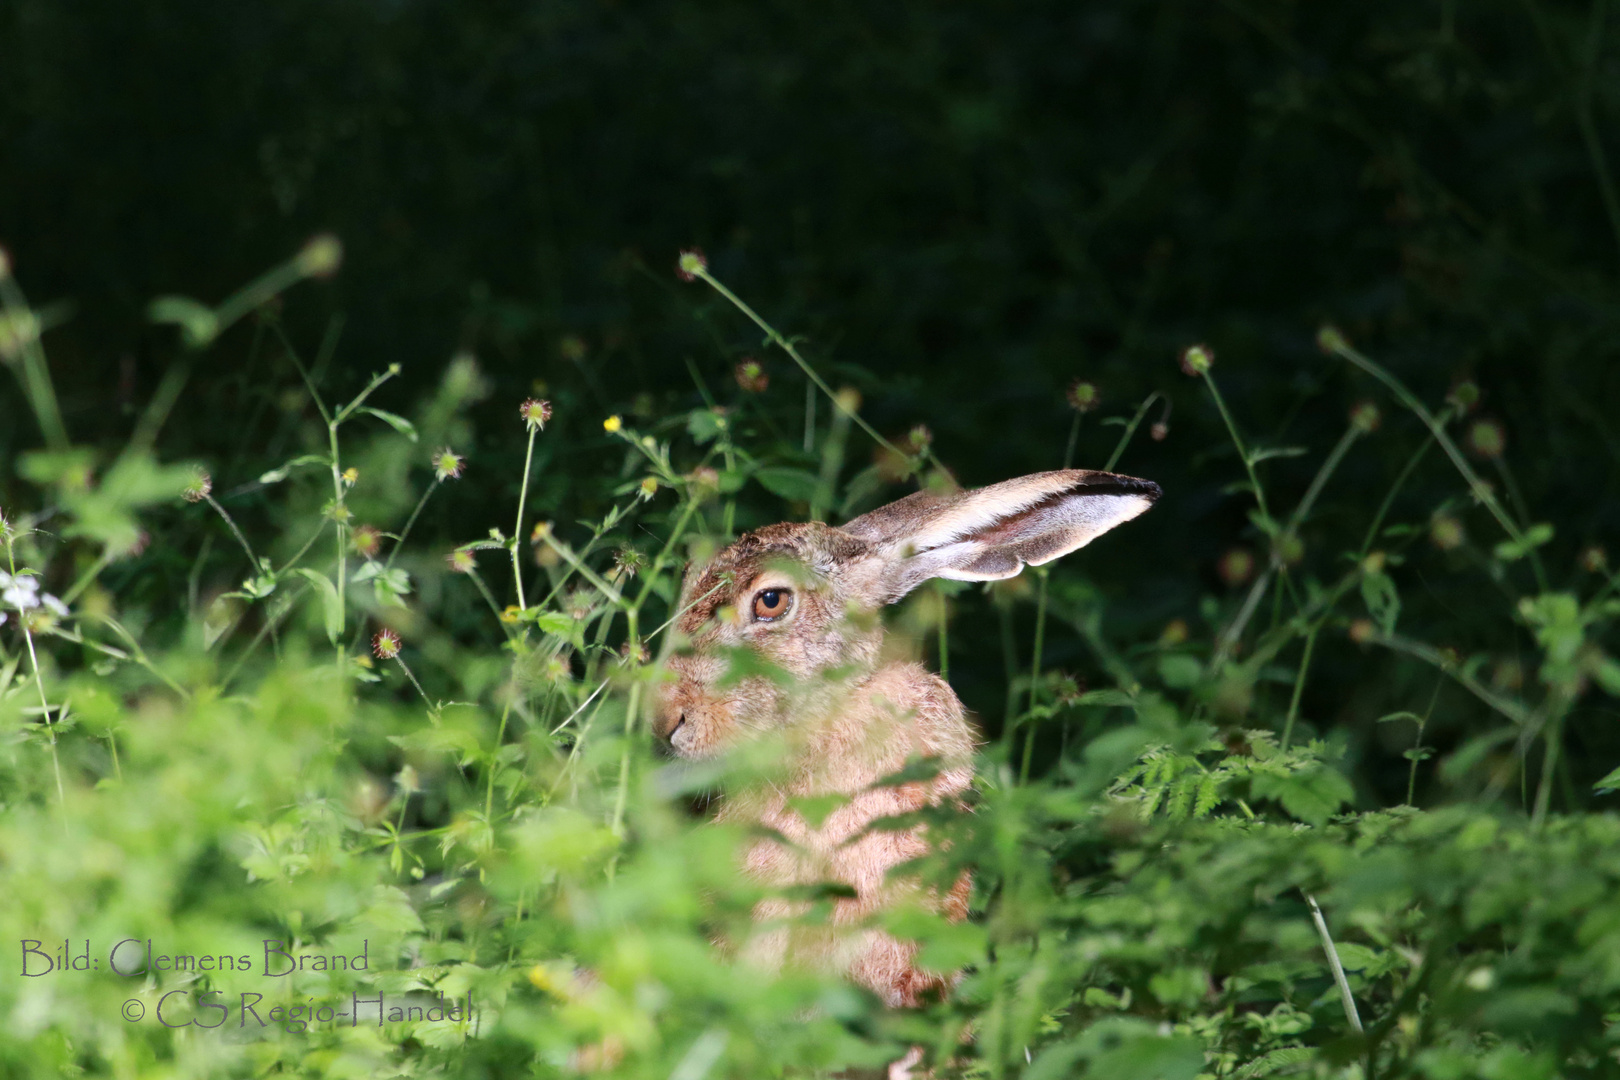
x=667 y=723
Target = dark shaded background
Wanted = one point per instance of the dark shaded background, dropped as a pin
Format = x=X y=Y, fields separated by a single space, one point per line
x=960 y=206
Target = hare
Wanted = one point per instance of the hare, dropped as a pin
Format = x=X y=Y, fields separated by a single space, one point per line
x=805 y=598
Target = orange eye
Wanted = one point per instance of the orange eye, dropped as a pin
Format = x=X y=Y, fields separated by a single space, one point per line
x=772 y=604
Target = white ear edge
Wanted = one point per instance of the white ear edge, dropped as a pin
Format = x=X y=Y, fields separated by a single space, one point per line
x=1072 y=523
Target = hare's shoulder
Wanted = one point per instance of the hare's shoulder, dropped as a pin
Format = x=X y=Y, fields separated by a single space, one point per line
x=932 y=714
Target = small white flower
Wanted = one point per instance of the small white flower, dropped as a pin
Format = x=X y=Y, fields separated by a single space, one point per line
x=5 y=580
x=3 y=618
x=55 y=605
x=21 y=595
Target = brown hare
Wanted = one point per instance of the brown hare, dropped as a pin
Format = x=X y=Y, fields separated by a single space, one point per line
x=805 y=598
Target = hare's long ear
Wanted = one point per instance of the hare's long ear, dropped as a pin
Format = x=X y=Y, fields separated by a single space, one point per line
x=994 y=532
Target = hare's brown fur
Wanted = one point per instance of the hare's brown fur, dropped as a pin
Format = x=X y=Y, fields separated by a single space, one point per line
x=848 y=720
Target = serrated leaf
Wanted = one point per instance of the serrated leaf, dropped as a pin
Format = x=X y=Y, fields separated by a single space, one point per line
x=393 y=420
x=331 y=608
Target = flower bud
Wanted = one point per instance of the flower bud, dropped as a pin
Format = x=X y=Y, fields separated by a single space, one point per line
x=1236 y=566
x=1486 y=438
x=321 y=256
x=198 y=488
x=1083 y=396
x=1365 y=417
x=1330 y=339
x=1197 y=359
x=690 y=264
x=535 y=413
x=448 y=465
x=751 y=376
x=1446 y=532
x=385 y=644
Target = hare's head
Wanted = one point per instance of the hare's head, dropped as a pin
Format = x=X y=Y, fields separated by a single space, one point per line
x=804 y=598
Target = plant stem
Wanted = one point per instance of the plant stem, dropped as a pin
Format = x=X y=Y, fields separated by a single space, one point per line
x=1035 y=671
x=1299 y=685
x=45 y=705
x=787 y=346
x=517 y=530
x=1345 y=997
x=253 y=560
x=1237 y=440
x=406 y=531
x=1130 y=430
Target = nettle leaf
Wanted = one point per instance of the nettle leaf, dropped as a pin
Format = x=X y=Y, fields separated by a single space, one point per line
x=331 y=607
x=1383 y=602
x=797 y=485
x=1312 y=797
x=1609 y=783
x=393 y=420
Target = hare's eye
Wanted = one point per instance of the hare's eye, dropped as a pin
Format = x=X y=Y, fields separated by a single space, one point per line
x=772 y=603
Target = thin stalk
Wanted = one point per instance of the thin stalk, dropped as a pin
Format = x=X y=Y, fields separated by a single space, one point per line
x=584 y=571
x=394 y=552
x=409 y=675
x=517 y=530
x=1234 y=632
x=253 y=560
x=810 y=416
x=1035 y=671
x=35 y=375
x=87 y=578
x=1476 y=486
x=1400 y=481
x=1009 y=660
x=788 y=347
x=1345 y=997
x=1074 y=439
x=1299 y=685
x=944 y=641
x=489 y=598
x=1237 y=440
x=45 y=706
x=1417 y=744
x=338 y=513
x=494 y=757
x=1130 y=431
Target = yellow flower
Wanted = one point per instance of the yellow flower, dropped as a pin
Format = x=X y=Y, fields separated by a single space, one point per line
x=612 y=424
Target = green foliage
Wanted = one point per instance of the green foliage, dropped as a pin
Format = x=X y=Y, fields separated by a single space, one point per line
x=1309 y=773
x=259 y=791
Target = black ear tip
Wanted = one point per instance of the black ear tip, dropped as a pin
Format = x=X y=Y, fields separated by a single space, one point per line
x=1114 y=484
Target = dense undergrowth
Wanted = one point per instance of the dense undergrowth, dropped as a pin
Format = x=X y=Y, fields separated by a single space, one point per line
x=436 y=762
